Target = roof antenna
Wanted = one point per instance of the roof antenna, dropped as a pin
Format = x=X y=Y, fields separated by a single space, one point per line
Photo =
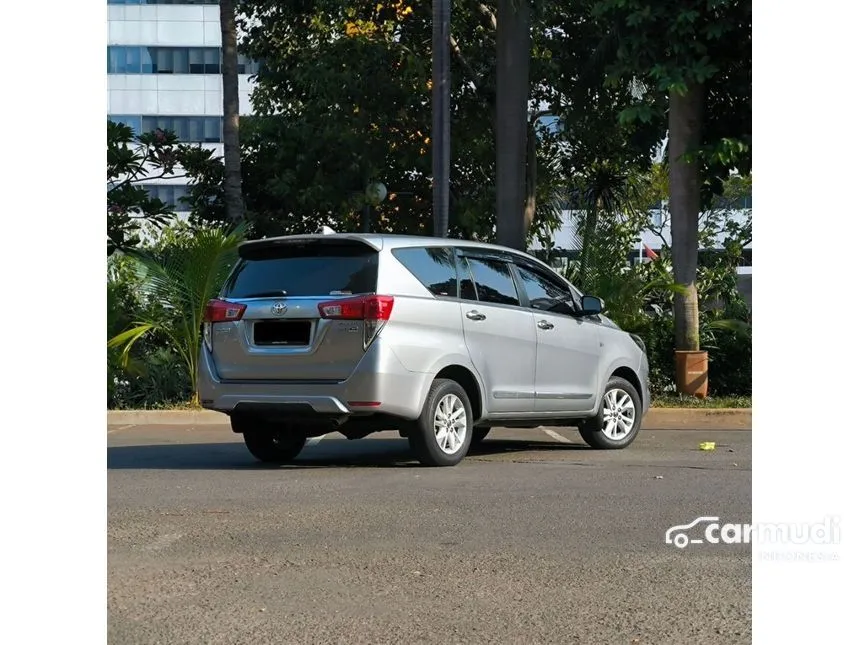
x=326 y=230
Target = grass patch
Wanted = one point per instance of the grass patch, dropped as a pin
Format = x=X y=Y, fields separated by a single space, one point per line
x=172 y=405
x=684 y=401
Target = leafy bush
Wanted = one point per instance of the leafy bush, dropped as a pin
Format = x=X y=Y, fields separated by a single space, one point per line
x=159 y=380
x=156 y=300
x=639 y=298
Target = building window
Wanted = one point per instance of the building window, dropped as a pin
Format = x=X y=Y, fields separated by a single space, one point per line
x=162 y=1
x=188 y=129
x=723 y=203
x=170 y=195
x=247 y=66
x=171 y=60
x=130 y=120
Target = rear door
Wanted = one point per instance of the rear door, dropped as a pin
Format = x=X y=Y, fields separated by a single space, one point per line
x=282 y=334
x=568 y=348
x=500 y=334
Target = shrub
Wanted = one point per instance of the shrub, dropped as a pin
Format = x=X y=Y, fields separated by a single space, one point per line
x=174 y=281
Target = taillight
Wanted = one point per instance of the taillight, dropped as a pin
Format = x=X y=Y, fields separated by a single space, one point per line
x=223 y=311
x=373 y=310
x=219 y=311
x=361 y=308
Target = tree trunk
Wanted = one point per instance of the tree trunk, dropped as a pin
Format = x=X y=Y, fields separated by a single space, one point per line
x=685 y=126
x=531 y=177
x=441 y=134
x=589 y=230
x=233 y=201
x=513 y=51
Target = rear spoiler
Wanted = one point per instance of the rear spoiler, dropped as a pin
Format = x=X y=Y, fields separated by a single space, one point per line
x=255 y=248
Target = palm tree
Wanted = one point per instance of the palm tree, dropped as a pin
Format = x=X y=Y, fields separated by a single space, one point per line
x=179 y=280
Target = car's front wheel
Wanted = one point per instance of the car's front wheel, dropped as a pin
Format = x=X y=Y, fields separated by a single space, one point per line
x=442 y=434
x=619 y=417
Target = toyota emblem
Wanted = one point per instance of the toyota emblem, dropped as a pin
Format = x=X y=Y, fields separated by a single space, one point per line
x=279 y=308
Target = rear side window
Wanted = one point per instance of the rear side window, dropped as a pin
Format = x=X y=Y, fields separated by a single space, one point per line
x=493 y=281
x=311 y=269
x=433 y=266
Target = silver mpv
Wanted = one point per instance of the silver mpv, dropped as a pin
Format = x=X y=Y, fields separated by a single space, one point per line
x=440 y=339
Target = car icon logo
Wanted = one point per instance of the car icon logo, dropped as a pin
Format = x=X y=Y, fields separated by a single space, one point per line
x=279 y=309
x=677 y=534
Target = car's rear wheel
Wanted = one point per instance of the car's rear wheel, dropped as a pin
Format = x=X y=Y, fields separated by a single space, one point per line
x=270 y=442
x=442 y=434
x=619 y=417
x=274 y=447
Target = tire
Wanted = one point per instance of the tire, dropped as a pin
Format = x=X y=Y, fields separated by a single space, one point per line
x=268 y=442
x=455 y=414
x=608 y=432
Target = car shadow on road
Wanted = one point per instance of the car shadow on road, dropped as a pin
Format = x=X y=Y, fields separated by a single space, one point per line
x=331 y=453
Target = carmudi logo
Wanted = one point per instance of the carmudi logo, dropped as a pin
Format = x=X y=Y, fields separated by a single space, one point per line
x=709 y=529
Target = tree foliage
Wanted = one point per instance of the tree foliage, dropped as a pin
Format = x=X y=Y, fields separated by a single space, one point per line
x=664 y=46
x=344 y=98
x=176 y=279
x=695 y=58
x=133 y=160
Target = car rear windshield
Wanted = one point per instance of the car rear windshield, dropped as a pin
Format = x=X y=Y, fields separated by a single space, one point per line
x=306 y=269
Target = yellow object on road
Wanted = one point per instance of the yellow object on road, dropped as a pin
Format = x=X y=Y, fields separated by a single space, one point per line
x=707 y=445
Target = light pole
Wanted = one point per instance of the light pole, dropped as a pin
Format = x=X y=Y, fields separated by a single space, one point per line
x=374 y=195
x=441 y=134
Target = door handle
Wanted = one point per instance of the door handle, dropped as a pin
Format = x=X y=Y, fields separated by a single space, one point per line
x=475 y=315
x=545 y=325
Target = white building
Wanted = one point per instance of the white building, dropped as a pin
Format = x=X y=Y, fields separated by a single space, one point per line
x=654 y=238
x=164 y=66
x=658 y=235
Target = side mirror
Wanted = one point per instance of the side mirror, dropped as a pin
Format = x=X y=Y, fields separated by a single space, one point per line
x=591 y=306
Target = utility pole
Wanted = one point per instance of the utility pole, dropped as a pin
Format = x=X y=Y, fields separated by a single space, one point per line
x=441 y=134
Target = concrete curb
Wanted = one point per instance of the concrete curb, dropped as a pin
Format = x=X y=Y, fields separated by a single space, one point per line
x=698 y=419
x=656 y=419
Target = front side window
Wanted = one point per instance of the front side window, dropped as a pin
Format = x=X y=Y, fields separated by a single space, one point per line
x=545 y=293
x=466 y=284
x=493 y=281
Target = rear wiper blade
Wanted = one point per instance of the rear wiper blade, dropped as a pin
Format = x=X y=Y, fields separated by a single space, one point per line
x=267 y=294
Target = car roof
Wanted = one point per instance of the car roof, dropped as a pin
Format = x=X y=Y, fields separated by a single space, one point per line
x=383 y=240
x=379 y=241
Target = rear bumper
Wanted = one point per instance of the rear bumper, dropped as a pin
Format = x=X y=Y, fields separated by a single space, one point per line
x=379 y=379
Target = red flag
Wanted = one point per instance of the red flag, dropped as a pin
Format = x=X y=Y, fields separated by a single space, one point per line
x=651 y=255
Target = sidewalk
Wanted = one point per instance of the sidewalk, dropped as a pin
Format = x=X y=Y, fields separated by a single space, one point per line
x=656 y=419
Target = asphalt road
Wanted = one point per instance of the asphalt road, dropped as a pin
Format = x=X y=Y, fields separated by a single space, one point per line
x=530 y=540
